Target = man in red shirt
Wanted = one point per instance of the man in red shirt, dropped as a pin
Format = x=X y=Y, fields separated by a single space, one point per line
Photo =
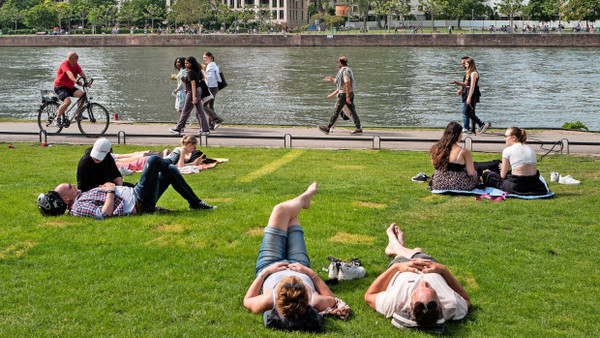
x=64 y=85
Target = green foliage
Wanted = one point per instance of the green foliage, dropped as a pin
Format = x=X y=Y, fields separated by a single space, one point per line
x=588 y=10
x=578 y=125
x=510 y=8
x=528 y=266
x=41 y=16
x=542 y=10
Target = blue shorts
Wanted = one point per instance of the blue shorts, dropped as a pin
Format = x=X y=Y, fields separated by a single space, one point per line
x=64 y=92
x=281 y=246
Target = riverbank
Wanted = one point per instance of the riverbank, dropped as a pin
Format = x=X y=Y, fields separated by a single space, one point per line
x=412 y=139
x=308 y=40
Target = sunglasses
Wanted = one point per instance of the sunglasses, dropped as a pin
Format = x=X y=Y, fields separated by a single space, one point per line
x=505 y=136
x=431 y=306
x=295 y=286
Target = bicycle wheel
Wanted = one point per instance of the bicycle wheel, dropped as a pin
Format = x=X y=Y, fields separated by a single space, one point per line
x=46 y=116
x=94 y=120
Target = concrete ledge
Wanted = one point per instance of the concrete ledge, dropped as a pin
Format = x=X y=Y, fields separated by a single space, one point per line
x=308 y=40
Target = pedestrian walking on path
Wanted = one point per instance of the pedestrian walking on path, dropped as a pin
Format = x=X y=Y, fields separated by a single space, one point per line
x=344 y=81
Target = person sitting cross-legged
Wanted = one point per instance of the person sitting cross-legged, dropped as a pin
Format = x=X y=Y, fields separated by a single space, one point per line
x=416 y=287
x=109 y=200
x=285 y=284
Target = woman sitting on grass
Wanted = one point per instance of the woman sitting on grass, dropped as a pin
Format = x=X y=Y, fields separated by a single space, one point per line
x=284 y=281
x=454 y=169
x=524 y=179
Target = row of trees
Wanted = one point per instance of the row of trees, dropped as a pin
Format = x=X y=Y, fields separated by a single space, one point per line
x=91 y=13
x=536 y=10
x=214 y=15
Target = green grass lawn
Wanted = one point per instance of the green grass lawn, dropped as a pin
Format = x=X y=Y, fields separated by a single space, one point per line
x=530 y=267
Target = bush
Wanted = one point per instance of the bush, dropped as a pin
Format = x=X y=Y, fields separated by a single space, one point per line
x=299 y=29
x=578 y=125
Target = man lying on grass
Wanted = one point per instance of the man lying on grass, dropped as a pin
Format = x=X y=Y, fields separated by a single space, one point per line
x=285 y=287
x=416 y=290
x=109 y=200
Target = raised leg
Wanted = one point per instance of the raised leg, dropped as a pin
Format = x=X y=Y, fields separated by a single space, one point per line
x=286 y=213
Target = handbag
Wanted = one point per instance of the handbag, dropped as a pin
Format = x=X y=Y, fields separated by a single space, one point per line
x=223 y=83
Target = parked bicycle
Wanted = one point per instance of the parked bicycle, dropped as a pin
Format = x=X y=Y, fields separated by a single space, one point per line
x=92 y=118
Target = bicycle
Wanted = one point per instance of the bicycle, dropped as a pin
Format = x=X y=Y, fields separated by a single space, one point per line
x=92 y=118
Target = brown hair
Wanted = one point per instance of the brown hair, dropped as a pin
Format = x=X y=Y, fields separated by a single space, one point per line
x=291 y=302
x=440 y=152
x=471 y=67
x=424 y=316
x=519 y=133
x=189 y=139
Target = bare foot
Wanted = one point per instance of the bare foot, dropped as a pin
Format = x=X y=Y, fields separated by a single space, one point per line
x=400 y=236
x=394 y=244
x=307 y=195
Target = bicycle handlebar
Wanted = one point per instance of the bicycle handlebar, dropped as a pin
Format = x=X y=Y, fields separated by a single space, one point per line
x=86 y=84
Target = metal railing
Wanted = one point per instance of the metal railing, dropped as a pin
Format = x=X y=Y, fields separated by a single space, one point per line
x=562 y=145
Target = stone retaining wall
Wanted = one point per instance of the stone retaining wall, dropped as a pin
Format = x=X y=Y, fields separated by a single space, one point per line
x=309 y=40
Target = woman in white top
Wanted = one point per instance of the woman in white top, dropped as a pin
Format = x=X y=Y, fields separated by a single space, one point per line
x=179 y=92
x=518 y=170
x=284 y=280
x=212 y=76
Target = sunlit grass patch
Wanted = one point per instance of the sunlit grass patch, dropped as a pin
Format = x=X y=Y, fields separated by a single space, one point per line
x=346 y=238
x=17 y=250
x=255 y=232
x=271 y=167
x=369 y=205
x=349 y=167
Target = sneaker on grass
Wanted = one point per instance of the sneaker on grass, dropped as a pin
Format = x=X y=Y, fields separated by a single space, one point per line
x=421 y=177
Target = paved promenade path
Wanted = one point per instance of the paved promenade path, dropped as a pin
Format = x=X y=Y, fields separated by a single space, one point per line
x=306 y=137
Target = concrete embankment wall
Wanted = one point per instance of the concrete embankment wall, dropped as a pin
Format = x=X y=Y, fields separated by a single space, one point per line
x=309 y=40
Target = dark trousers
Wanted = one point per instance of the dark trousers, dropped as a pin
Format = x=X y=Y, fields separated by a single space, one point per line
x=187 y=109
x=521 y=185
x=156 y=177
x=209 y=109
x=339 y=105
x=470 y=113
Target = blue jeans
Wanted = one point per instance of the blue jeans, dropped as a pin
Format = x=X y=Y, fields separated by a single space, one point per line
x=466 y=119
x=281 y=246
x=156 y=177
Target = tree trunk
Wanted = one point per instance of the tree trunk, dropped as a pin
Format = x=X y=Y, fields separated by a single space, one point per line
x=458 y=24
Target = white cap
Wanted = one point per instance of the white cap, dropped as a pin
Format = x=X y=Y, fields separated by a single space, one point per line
x=100 y=149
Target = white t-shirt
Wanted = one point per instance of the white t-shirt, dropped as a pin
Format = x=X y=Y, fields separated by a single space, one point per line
x=128 y=198
x=396 y=297
x=519 y=154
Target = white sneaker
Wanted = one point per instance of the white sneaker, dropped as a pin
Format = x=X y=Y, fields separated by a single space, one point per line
x=349 y=271
x=568 y=180
x=333 y=270
x=125 y=171
x=554 y=176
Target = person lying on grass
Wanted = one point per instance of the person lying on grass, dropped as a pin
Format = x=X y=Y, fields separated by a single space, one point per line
x=284 y=281
x=185 y=155
x=109 y=200
x=416 y=286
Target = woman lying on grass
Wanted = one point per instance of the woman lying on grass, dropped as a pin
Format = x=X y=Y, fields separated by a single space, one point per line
x=454 y=168
x=182 y=156
x=284 y=281
x=524 y=178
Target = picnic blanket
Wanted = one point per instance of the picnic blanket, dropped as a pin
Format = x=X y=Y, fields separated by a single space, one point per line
x=495 y=193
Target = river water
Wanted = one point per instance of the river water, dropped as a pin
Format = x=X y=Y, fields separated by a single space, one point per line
x=401 y=86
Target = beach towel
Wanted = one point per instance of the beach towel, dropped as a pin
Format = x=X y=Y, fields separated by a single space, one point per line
x=496 y=193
